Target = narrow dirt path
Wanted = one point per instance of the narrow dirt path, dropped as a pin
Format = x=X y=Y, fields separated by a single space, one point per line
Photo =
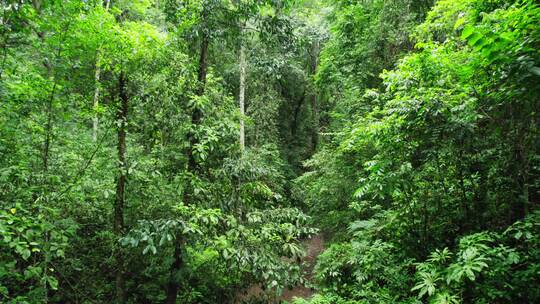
x=314 y=247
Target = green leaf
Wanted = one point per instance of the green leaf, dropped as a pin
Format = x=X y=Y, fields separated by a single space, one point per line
x=459 y=23
x=535 y=70
x=472 y=39
x=467 y=31
x=53 y=282
x=26 y=253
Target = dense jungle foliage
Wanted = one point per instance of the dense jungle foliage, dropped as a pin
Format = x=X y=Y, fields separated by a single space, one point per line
x=169 y=151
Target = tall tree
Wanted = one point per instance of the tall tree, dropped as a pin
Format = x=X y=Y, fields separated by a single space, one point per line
x=173 y=283
x=97 y=76
x=242 y=89
x=122 y=121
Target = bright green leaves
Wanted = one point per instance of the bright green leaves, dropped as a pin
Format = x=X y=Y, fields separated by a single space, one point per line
x=28 y=245
x=190 y=222
x=94 y=30
x=426 y=283
x=144 y=40
x=468 y=31
x=504 y=34
x=472 y=261
x=422 y=150
x=471 y=36
x=79 y=48
x=443 y=276
x=490 y=45
x=459 y=23
x=364 y=269
x=258 y=246
x=25 y=236
x=440 y=256
x=133 y=7
x=119 y=43
x=445 y=298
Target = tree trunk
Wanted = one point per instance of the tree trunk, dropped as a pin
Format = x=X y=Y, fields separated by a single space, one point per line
x=48 y=129
x=173 y=285
x=522 y=161
x=296 y=115
x=203 y=65
x=95 y=104
x=314 y=102
x=120 y=187
x=241 y=94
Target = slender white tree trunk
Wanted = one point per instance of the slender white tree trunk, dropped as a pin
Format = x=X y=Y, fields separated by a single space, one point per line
x=95 y=104
x=241 y=95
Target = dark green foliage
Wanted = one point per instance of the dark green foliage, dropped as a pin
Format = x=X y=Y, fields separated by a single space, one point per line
x=407 y=132
x=432 y=168
x=81 y=78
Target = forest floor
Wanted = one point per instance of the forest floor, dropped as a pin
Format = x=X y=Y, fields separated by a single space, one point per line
x=313 y=246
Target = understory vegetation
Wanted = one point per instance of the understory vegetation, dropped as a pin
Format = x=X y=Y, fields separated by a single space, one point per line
x=167 y=151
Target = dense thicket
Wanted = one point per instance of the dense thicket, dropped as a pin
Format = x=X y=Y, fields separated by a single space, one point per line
x=432 y=156
x=122 y=179
x=181 y=151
